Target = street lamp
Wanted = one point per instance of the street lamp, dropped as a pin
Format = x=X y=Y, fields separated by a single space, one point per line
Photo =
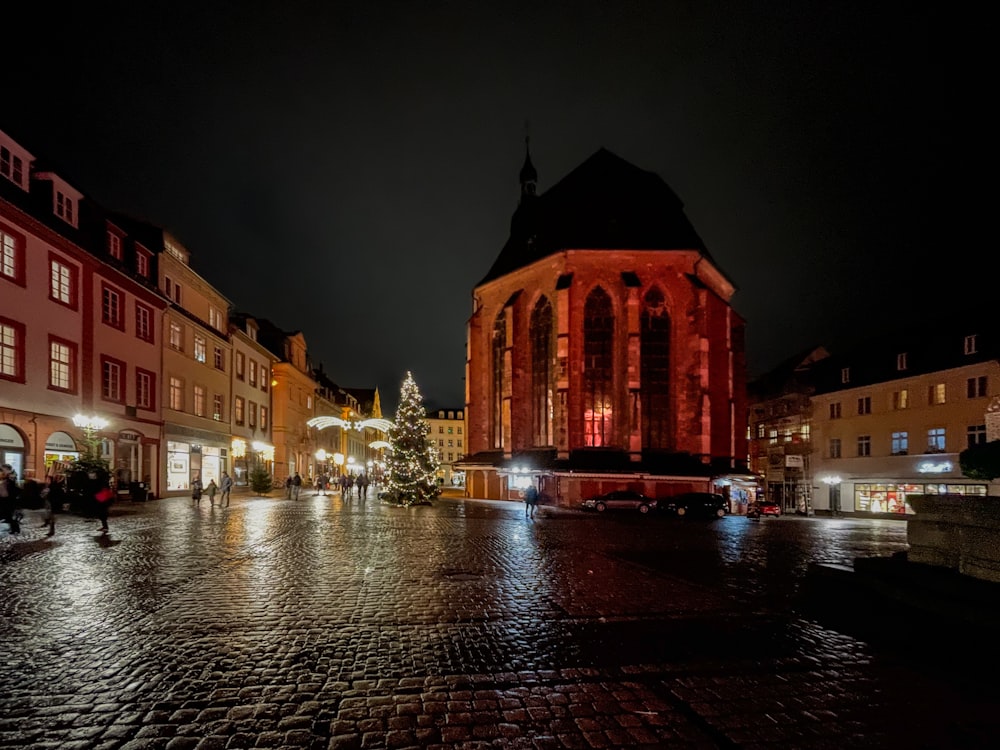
x=338 y=458
x=90 y=427
x=321 y=461
x=833 y=482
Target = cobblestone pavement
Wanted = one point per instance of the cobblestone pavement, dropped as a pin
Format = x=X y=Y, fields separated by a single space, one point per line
x=322 y=624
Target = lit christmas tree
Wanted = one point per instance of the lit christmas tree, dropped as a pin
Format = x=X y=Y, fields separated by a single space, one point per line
x=412 y=460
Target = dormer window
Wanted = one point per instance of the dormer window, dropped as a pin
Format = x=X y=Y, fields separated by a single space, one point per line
x=12 y=167
x=901 y=361
x=66 y=208
x=251 y=331
x=142 y=262
x=114 y=245
x=845 y=375
x=970 y=344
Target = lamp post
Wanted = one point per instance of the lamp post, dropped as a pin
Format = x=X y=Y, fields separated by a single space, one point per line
x=90 y=427
x=321 y=470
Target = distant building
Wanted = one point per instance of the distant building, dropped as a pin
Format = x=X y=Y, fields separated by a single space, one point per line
x=447 y=433
x=603 y=351
x=252 y=416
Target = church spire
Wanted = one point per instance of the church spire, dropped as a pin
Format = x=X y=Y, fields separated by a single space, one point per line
x=529 y=176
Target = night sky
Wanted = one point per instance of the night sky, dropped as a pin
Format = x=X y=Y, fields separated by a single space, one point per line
x=350 y=169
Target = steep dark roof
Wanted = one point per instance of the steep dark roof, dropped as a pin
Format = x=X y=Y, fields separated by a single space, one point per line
x=605 y=203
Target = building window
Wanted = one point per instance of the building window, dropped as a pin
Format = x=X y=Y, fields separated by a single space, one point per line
x=145 y=390
x=62 y=283
x=253 y=415
x=240 y=365
x=251 y=331
x=598 y=341
x=200 y=348
x=970 y=344
x=215 y=319
x=835 y=410
x=541 y=373
x=238 y=411
x=217 y=360
x=900 y=443
x=142 y=263
x=263 y=418
x=111 y=308
x=845 y=375
x=865 y=405
x=935 y=440
x=143 y=322
x=114 y=245
x=976 y=387
x=936 y=394
x=976 y=434
x=654 y=372
x=112 y=379
x=451 y=430
x=499 y=369
x=459 y=442
x=11 y=350
x=901 y=399
x=441 y=443
x=11 y=256
x=451 y=443
x=176 y=336
x=217 y=407
x=11 y=167
x=264 y=370
x=177 y=293
x=200 y=401
x=440 y=430
x=65 y=208
x=176 y=394
x=864 y=445
x=901 y=361
x=62 y=365
x=772 y=436
x=834 y=447
x=253 y=373
x=459 y=428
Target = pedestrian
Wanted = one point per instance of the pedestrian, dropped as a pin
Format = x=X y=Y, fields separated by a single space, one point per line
x=196 y=489
x=54 y=497
x=530 y=501
x=9 y=493
x=102 y=502
x=288 y=487
x=343 y=486
x=226 y=487
x=296 y=485
x=211 y=489
x=363 y=484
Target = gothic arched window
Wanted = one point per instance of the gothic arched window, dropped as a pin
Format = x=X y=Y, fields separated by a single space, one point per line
x=541 y=373
x=598 y=375
x=499 y=349
x=654 y=372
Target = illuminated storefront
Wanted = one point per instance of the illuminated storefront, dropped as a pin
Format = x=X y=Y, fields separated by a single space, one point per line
x=12 y=449
x=891 y=498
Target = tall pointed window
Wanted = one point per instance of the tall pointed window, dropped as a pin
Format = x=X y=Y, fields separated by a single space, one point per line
x=499 y=348
x=541 y=373
x=598 y=338
x=654 y=372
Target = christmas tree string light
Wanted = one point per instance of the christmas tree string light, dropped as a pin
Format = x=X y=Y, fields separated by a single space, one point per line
x=412 y=460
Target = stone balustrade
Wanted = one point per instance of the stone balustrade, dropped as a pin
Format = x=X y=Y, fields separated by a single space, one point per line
x=957 y=532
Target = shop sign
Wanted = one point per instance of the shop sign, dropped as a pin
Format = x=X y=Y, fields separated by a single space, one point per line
x=129 y=437
x=934 y=467
x=794 y=461
x=59 y=442
x=9 y=437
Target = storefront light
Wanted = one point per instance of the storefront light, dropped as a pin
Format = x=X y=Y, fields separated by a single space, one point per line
x=90 y=423
x=239 y=448
x=833 y=479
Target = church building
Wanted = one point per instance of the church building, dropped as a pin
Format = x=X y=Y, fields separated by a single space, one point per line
x=603 y=352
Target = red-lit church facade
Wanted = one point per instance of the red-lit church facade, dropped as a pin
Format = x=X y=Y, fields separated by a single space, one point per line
x=603 y=352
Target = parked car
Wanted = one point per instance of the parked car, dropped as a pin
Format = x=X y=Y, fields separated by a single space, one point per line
x=621 y=500
x=705 y=504
x=769 y=508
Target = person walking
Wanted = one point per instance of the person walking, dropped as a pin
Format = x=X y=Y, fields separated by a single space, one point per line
x=102 y=504
x=54 y=498
x=363 y=485
x=196 y=489
x=296 y=485
x=343 y=487
x=226 y=487
x=211 y=489
x=9 y=493
x=530 y=502
x=288 y=487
